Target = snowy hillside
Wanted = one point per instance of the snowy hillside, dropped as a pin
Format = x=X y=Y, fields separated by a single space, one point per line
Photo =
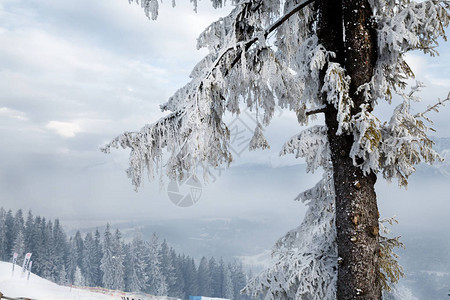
x=39 y=288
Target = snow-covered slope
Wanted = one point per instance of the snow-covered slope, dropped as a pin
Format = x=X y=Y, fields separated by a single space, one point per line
x=39 y=288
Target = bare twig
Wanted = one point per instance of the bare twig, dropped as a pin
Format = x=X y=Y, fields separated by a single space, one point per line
x=433 y=108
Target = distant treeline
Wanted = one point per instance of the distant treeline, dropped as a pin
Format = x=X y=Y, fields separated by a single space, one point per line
x=107 y=261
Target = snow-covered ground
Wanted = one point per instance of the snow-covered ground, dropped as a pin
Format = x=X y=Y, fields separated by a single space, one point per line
x=39 y=288
x=15 y=285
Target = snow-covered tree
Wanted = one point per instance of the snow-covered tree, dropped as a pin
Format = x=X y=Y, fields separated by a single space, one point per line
x=98 y=255
x=119 y=266
x=190 y=277
x=3 y=243
x=306 y=257
x=338 y=58
x=29 y=233
x=78 y=277
x=48 y=268
x=19 y=246
x=239 y=280
x=156 y=281
x=112 y=262
x=78 y=246
x=137 y=266
x=10 y=234
x=227 y=283
x=19 y=224
x=71 y=260
x=91 y=260
x=38 y=244
x=168 y=269
x=107 y=262
x=204 y=278
x=177 y=290
x=215 y=277
x=62 y=279
x=59 y=250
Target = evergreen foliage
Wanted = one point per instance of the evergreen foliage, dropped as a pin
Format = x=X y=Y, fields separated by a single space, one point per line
x=336 y=57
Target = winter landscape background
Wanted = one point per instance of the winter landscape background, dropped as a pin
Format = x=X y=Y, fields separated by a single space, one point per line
x=75 y=74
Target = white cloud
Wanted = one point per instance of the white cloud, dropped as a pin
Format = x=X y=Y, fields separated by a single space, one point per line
x=65 y=129
x=12 y=113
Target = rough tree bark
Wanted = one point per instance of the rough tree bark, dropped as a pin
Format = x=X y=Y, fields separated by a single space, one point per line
x=345 y=28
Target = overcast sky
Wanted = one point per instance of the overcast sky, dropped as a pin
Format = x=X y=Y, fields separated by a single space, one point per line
x=76 y=73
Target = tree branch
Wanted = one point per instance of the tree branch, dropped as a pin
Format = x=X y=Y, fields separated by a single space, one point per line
x=316 y=111
x=249 y=43
x=433 y=107
x=284 y=18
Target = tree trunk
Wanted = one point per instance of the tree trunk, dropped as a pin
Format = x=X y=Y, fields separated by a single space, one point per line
x=345 y=28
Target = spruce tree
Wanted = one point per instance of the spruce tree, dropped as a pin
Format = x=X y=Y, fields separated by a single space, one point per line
x=168 y=269
x=136 y=261
x=38 y=244
x=71 y=260
x=59 y=250
x=3 y=235
x=204 y=278
x=62 y=279
x=98 y=257
x=19 y=247
x=18 y=223
x=190 y=277
x=239 y=280
x=78 y=245
x=119 y=256
x=48 y=268
x=227 y=283
x=216 y=278
x=157 y=284
x=178 y=289
x=336 y=58
x=108 y=260
x=78 y=277
x=10 y=234
x=29 y=233
x=90 y=260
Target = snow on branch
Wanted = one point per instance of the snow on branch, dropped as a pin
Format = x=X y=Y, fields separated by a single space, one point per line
x=390 y=270
x=394 y=148
x=306 y=257
x=367 y=139
x=151 y=7
x=431 y=108
x=336 y=87
x=311 y=144
x=405 y=142
x=404 y=26
x=258 y=140
x=194 y=134
x=179 y=134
